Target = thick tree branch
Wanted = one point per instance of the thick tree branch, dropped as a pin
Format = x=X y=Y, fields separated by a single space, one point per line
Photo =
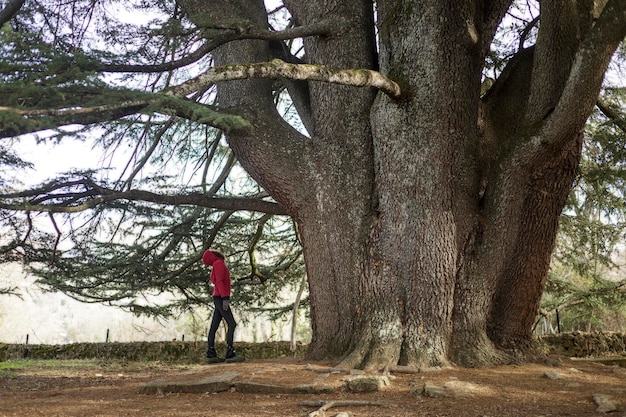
x=10 y=10
x=582 y=88
x=492 y=14
x=558 y=42
x=82 y=112
x=33 y=120
x=29 y=121
x=45 y=200
x=280 y=69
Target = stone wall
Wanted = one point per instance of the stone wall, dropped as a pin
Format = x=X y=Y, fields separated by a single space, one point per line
x=175 y=352
x=576 y=344
x=582 y=345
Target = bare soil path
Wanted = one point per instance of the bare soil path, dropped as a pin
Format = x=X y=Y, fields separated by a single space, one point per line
x=100 y=389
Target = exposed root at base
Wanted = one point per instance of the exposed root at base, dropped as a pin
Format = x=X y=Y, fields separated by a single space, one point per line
x=327 y=405
x=472 y=358
x=477 y=351
x=402 y=369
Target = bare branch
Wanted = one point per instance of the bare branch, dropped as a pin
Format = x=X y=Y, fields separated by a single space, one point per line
x=148 y=154
x=280 y=69
x=252 y=247
x=10 y=291
x=524 y=35
x=58 y=236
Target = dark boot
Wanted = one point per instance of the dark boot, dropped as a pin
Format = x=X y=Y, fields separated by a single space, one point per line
x=211 y=356
x=231 y=356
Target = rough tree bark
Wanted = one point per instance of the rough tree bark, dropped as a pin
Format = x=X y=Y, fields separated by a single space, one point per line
x=427 y=220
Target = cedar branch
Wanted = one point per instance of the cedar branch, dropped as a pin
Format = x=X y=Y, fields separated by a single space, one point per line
x=322 y=28
x=33 y=118
x=94 y=195
x=616 y=117
x=201 y=200
x=280 y=69
x=76 y=111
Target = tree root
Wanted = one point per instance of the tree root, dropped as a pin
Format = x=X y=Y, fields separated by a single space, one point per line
x=326 y=370
x=326 y=405
x=401 y=369
x=475 y=351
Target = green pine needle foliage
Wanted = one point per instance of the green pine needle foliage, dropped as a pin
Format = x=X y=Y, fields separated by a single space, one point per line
x=587 y=283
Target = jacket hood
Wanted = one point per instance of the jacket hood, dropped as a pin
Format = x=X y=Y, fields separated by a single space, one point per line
x=209 y=257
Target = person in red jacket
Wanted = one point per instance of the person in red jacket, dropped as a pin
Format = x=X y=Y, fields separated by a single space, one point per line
x=220 y=278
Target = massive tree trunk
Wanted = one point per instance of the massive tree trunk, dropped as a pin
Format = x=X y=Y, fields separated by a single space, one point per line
x=427 y=221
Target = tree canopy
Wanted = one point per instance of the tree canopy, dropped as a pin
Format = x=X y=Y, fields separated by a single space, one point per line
x=119 y=235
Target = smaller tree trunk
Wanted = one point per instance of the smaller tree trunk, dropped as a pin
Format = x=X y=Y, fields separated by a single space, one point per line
x=520 y=287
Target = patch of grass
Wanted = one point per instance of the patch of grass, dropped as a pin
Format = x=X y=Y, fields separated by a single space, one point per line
x=45 y=363
x=10 y=365
x=10 y=368
x=63 y=367
x=76 y=366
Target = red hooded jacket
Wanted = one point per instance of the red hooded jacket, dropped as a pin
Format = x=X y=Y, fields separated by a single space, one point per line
x=220 y=276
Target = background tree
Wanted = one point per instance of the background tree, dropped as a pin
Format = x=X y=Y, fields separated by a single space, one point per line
x=427 y=208
x=585 y=283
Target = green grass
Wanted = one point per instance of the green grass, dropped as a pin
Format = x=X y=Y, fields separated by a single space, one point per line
x=69 y=366
x=13 y=365
x=45 y=363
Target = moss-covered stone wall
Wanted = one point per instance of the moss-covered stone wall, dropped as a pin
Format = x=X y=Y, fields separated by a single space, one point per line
x=576 y=344
x=175 y=352
x=581 y=344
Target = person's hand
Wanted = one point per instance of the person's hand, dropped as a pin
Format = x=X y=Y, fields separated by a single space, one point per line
x=225 y=305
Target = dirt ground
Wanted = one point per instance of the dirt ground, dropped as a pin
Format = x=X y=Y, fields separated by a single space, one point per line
x=100 y=389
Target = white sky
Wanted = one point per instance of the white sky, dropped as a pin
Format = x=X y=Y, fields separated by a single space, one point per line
x=50 y=159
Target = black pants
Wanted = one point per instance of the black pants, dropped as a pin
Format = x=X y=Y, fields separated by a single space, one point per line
x=218 y=315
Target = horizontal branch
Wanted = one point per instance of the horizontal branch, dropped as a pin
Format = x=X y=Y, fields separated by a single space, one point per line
x=94 y=195
x=200 y=200
x=280 y=69
x=10 y=291
x=81 y=111
x=33 y=120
